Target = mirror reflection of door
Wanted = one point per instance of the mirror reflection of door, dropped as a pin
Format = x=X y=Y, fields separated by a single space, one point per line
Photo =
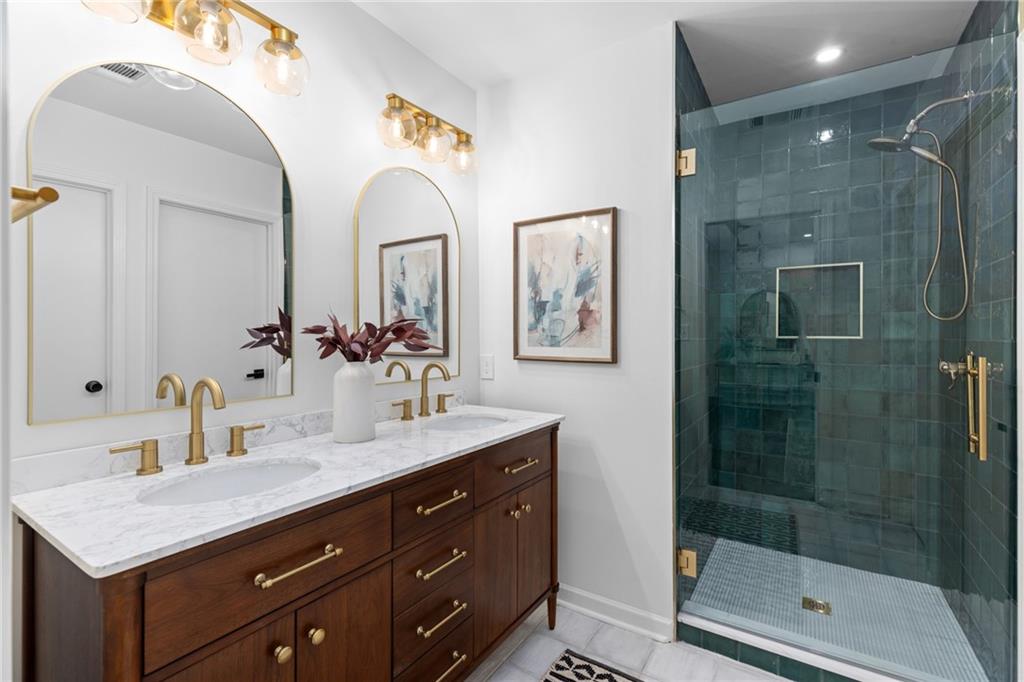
x=169 y=241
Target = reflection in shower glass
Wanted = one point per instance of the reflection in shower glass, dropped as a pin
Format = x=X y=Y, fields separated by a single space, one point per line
x=824 y=476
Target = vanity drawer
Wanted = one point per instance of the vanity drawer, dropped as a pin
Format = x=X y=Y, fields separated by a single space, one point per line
x=431 y=619
x=423 y=569
x=430 y=504
x=503 y=467
x=445 y=662
x=187 y=608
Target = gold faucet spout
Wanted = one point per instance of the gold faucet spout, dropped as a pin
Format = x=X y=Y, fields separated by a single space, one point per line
x=173 y=381
x=401 y=364
x=424 y=387
x=196 y=437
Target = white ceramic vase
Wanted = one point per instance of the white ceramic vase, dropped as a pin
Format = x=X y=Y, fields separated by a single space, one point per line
x=284 y=378
x=353 y=403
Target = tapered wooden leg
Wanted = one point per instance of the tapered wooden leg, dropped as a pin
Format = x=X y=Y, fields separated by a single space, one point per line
x=552 y=603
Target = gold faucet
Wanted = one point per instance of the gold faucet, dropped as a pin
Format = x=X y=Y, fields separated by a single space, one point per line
x=175 y=383
x=424 y=400
x=404 y=366
x=196 y=438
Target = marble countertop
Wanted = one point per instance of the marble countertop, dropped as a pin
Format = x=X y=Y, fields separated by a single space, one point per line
x=103 y=528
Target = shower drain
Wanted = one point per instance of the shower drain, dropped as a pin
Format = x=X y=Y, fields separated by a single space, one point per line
x=817 y=605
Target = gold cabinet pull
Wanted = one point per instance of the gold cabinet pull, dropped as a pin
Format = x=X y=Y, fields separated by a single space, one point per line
x=456 y=556
x=459 y=608
x=526 y=508
x=977 y=426
x=264 y=583
x=530 y=461
x=459 y=660
x=317 y=636
x=283 y=653
x=456 y=496
x=515 y=513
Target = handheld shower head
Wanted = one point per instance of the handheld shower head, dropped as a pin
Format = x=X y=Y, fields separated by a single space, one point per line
x=889 y=144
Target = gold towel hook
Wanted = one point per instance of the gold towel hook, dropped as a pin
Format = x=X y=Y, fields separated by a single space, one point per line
x=27 y=201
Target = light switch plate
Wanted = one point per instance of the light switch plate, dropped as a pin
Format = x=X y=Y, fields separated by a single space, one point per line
x=487 y=367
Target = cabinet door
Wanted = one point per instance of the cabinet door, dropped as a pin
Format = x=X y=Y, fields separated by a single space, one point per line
x=253 y=658
x=495 y=581
x=345 y=636
x=533 y=562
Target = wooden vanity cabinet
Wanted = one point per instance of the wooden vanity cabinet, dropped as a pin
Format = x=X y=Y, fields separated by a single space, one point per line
x=436 y=569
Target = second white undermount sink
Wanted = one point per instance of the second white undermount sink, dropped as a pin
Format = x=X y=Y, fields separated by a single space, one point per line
x=229 y=482
x=464 y=422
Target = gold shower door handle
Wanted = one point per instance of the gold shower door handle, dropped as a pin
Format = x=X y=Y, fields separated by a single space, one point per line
x=977 y=425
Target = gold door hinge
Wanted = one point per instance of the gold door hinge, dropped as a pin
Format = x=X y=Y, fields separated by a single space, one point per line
x=686 y=561
x=686 y=162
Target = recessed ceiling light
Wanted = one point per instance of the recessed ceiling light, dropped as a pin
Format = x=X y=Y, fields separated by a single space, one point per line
x=827 y=54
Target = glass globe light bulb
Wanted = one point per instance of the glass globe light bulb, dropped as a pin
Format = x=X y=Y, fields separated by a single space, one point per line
x=210 y=32
x=433 y=142
x=396 y=126
x=123 y=11
x=281 y=65
x=462 y=160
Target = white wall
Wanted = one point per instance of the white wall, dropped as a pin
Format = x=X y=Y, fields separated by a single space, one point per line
x=6 y=606
x=328 y=143
x=588 y=133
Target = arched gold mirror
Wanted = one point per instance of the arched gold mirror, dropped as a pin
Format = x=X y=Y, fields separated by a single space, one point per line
x=172 y=238
x=407 y=252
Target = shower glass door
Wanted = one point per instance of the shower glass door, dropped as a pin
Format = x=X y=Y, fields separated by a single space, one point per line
x=842 y=494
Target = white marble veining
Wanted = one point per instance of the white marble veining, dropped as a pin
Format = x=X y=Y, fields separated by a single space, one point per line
x=64 y=467
x=103 y=528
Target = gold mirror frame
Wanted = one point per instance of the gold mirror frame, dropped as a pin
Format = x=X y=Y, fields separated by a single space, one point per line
x=30 y=313
x=355 y=265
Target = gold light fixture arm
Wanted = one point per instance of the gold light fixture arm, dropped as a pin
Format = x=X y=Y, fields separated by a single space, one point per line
x=27 y=201
x=396 y=100
x=163 y=13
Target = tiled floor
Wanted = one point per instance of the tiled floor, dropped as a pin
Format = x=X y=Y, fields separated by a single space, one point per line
x=530 y=651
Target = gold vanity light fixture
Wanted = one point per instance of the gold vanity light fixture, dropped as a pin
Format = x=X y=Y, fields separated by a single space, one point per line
x=27 y=200
x=403 y=124
x=212 y=33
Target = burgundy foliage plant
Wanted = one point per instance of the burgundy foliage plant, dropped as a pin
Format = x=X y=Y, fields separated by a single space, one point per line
x=369 y=342
x=278 y=336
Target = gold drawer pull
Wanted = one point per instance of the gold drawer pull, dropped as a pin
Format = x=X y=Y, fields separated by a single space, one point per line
x=456 y=556
x=282 y=654
x=459 y=608
x=459 y=660
x=515 y=513
x=530 y=461
x=317 y=636
x=263 y=582
x=456 y=496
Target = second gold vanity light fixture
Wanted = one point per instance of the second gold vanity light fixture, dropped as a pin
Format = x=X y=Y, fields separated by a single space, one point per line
x=212 y=34
x=403 y=124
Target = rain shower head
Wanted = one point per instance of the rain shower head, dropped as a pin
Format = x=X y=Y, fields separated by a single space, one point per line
x=889 y=144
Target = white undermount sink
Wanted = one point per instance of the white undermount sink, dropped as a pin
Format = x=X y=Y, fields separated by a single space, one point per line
x=228 y=482
x=464 y=422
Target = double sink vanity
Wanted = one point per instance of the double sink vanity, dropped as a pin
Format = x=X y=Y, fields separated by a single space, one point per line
x=409 y=557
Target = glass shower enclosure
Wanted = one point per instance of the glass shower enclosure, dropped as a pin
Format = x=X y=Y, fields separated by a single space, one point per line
x=845 y=374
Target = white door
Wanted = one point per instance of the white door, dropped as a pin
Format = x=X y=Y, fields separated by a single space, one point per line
x=213 y=281
x=71 y=304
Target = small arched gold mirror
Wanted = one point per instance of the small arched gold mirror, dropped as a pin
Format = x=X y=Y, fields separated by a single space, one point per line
x=172 y=239
x=407 y=254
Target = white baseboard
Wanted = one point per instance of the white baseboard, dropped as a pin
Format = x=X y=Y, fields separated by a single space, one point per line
x=616 y=613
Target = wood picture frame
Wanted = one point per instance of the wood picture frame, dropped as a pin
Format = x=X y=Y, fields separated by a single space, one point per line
x=438 y=328
x=578 y=249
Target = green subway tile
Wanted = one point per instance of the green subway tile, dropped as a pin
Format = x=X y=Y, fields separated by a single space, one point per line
x=759 y=658
x=690 y=634
x=800 y=672
x=720 y=645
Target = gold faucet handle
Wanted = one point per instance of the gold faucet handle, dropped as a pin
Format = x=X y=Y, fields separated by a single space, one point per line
x=406 y=406
x=238 y=448
x=150 y=456
x=441 y=398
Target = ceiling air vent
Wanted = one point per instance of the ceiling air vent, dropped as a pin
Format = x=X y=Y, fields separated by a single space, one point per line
x=122 y=72
x=757 y=122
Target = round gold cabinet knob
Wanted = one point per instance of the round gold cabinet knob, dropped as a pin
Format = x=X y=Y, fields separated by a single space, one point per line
x=317 y=636
x=283 y=653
